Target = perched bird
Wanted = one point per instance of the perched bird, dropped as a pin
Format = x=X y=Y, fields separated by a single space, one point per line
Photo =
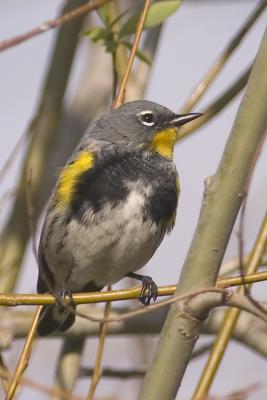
x=113 y=203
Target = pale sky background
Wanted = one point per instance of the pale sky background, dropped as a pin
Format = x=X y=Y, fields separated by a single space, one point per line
x=190 y=42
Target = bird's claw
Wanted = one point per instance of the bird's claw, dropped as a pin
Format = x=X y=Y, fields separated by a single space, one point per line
x=64 y=299
x=149 y=291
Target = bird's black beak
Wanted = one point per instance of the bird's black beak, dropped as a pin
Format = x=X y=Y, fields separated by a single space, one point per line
x=181 y=119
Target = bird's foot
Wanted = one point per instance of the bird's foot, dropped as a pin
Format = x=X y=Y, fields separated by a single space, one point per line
x=149 y=288
x=64 y=299
x=149 y=291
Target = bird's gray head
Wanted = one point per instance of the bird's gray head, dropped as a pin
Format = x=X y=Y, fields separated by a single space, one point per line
x=141 y=124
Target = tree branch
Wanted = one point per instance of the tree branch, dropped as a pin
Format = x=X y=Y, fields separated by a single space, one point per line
x=43 y=136
x=229 y=322
x=220 y=207
x=24 y=356
x=222 y=59
x=139 y=29
x=250 y=330
x=216 y=106
x=68 y=366
x=13 y=300
x=100 y=349
x=55 y=23
x=63 y=395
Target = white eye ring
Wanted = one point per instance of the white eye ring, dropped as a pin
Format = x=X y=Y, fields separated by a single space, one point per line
x=150 y=118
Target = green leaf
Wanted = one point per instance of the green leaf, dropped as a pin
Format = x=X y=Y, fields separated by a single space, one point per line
x=96 y=33
x=103 y=13
x=139 y=53
x=119 y=17
x=157 y=13
x=102 y=36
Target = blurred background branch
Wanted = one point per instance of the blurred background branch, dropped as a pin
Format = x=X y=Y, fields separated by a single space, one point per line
x=44 y=129
x=203 y=261
x=58 y=125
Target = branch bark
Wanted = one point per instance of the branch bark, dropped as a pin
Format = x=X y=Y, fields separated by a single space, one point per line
x=44 y=129
x=230 y=320
x=250 y=330
x=24 y=356
x=220 y=207
x=68 y=366
x=55 y=23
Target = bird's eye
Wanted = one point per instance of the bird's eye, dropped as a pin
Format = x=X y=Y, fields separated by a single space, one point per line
x=147 y=118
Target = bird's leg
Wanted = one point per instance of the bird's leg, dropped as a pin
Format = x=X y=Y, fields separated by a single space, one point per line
x=149 y=289
x=64 y=299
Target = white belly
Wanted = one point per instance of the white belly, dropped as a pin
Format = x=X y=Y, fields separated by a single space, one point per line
x=111 y=243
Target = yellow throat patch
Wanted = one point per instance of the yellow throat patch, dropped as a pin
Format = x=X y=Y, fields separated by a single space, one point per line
x=70 y=176
x=163 y=142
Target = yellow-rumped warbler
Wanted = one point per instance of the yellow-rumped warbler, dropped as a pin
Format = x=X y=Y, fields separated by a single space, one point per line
x=111 y=207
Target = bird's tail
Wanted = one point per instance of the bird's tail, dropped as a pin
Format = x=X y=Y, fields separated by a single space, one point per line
x=55 y=318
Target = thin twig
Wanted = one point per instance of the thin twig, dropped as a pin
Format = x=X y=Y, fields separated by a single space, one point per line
x=241 y=235
x=45 y=131
x=217 y=105
x=12 y=156
x=62 y=394
x=115 y=78
x=5 y=197
x=119 y=57
x=242 y=394
x=221 y=60
x=217 y=297
x=201 y=267
x=69 y=363
x=3 y=379
x=232 y=315
x=136 y=373
x=241 y=280
x=13 y=299
x=226 y=298
x=24 y=356
x=97 y=370
x=230 y=319
x=121 y=94
x=14 y=152
x=232 y=265
x=115 y=373
x=30 y=212
x=241 y=231
x=55 y=23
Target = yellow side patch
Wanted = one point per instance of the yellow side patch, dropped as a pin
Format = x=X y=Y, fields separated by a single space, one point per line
x=177 y=185
x=70 y=175
x=163 y=142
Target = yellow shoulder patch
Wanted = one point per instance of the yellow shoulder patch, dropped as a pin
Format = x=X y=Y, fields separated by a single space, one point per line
x=163 y=142
x=177 y=185
x=70 y=175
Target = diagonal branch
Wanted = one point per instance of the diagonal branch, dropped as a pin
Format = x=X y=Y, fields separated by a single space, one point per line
x=97 y=370
x=229 y=322
x=61 y=394
x=44 y=131
x=222 y=59
x=139 y=29
x=24 y=357
x=216 y=106
x=221 y=204
x=250 y=331
x=55 y=23
x=68 y=364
